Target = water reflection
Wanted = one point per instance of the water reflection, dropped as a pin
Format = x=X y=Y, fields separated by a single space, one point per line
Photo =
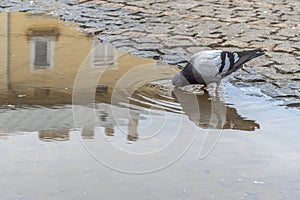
x=210 y=109
x=54 y=135
x=40 y=58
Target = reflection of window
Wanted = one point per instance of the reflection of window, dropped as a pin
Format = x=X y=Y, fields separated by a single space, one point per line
x=42 y=53
x=87 y=133
x=41 y=92
x=104 y=55
x=54 y=135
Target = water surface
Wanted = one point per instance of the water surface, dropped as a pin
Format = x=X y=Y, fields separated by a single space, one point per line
x=78 y=118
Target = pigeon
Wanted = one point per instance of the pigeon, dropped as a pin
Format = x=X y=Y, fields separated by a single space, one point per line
x=211 y=66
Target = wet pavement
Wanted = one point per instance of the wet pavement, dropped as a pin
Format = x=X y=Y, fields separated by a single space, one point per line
x=173 y=31
x=80 y=119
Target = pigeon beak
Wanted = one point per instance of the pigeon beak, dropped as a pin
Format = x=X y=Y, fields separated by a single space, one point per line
x=260 y=52
x=256 y=53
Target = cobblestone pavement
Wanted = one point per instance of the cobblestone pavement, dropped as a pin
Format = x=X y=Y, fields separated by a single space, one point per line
x=173 y=30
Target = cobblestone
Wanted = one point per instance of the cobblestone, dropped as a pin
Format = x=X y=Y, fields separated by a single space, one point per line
x=173 y=30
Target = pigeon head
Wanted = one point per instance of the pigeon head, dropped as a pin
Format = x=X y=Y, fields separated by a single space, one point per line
x=245 y=56
x=179 y=80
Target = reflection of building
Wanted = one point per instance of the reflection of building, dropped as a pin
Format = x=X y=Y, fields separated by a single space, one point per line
x=39 y=60
x=4 y=49
x=42 y=55
x=87 y=133
x=51 y=135
x=103 y=55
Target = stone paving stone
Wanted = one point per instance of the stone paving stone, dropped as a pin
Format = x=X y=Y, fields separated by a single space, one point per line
x=284 y=48
x=254 y=35
x=289 y=32
x=158 y=30
x=141 y=40
x=146 y=54
x=182 y=5
x=287 y=69
x=193 y=50
x=276 y=37
x=176 y=50
x=209 y=42
x=263 y=62
x=172 y=42
x=296 y=45
x=282 y=58
x=250 y=77
x=235 y=43
x=128 y=49
x=111 y=38
x=174 y=59
x=123 y=43
x=70 y=2
x=271 y=90
x=273 y=75
x=148 y=46
x=268 y=46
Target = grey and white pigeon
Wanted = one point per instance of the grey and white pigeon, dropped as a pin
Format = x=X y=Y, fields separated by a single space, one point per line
x=211 y=66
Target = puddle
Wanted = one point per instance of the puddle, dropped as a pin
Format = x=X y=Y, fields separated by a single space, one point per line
x=73 y=109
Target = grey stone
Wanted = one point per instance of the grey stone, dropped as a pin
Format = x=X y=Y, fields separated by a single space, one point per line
x=123 y=43
x=127 y=49
x=70 y=2
x=174 y=51
x=111 y=38
x=146 y=40
x=284 y=48
x=174 y=59
x=146 y=54
x=194 y=50
x=288 y=32
x=282 y=58
x=272 y=90
x=176 y=42
x=158 y=29
x=148 y=46
x=182 y=5
x=235 y=43
x=292 y=103
x=250 y=77
x=213 y=42
x=276 y=37
x=287 y=69
x=261 y=62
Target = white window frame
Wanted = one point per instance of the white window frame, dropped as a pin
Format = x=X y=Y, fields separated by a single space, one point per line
x=104 y=55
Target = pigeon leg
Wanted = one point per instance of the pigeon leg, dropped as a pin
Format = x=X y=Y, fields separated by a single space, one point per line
x=217 y=88
x=203 y=87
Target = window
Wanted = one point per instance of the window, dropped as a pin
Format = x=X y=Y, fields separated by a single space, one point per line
x=42 y=53
x=104 y=55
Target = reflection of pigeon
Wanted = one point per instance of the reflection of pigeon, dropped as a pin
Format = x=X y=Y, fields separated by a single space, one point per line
x=210 y=112
x=211 y=66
